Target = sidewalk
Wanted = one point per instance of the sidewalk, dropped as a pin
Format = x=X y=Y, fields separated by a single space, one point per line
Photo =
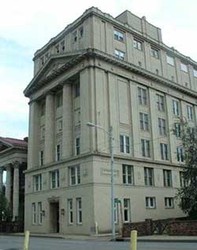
x=107 y=237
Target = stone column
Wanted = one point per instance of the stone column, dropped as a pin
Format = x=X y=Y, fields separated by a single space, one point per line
x=1 y=179
x=33 y=140
x=8 y=183
x=16 y=190
x=49 y=129
x=67 y=137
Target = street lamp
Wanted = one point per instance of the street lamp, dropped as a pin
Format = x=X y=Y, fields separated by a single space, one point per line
x=110 y=135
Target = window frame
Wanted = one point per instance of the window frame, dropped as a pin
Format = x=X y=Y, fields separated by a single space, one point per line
x=127 y=174
x=70 y=211
x=154 y=53
x=34 y=213
x=167 y=178
x=119 y=54
x=118 y=35
x=149 y=176
x=79 y=212
x=40 y=215
x=144 y=121
x=160 y=102
x=54 y=179
x=37 y=182
x=169 y=202
x=190 y=112
x=146 y=148
x=126 y=210
x=162 y=126
x=170 y=60
x=125 y=144
x=150 y=202
x=164 y=150
x=74 y=173
x=176 y=107
x=180 y=154
x=142 y=96
x=137 y=44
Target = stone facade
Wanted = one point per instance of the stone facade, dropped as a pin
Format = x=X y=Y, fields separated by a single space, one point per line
x=13 y=161
x=111 y=72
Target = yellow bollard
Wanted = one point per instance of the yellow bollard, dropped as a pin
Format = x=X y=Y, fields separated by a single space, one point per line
x=134 y=240
x=26 y=241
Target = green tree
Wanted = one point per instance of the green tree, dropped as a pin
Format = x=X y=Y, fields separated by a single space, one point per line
x=5 y=211
x=188 y=192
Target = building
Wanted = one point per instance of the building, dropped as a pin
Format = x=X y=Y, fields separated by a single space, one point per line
x=13 y=163
x=110 y=72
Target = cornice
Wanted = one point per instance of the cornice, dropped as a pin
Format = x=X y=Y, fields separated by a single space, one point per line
x=36 y=83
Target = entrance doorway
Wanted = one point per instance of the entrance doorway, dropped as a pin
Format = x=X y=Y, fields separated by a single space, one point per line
x=54 y=217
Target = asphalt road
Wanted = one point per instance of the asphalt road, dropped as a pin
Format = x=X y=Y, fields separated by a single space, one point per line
x=38 y=243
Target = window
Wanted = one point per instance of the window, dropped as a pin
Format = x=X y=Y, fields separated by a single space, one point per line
x=150 y=202
x=34 y=213
x=70 y=211
x=164 y=151
x=59 y=125
x=155 y=53
x=41 y=158
x=195 y=72
x=119 y=54
x=116 y=201
x=75 y=36
x=184 y=67
x=63 y=45
x=126 y=210
x=57 y=48
x=58 y=152
x=144 y=121
x=190 y=113
x=79 y=210
x=145 y=144
x=74 y=175
x=177 y=130
x=170 y=60
x=169 y=202
x=180 y=154
x=149 y=176
x=77 y=89
x=42 y=133
x=54 y=178
x=119 y=36
x=77 y=146
x=142 y=96
x=162 y=126
x=176 y=107
x=124 y=144
x=81 y=31
x=127 y=174
x=59 y=100
x=137 y=44
x=160 y=102
x=167 y=178
x=37 y=182
x=39 y=212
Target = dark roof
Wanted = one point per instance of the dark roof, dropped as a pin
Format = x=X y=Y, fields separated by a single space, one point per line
x=16 y=143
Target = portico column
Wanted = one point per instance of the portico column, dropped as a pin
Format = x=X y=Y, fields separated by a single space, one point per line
x=1 y=179
x=16 y=190
x=49 y=129
x=67 y=137
x=8 y=183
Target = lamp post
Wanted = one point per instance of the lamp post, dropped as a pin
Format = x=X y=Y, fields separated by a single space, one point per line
x=110 y=135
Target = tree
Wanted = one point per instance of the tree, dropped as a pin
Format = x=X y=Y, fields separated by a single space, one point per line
x=5 y=211
x=188 y=192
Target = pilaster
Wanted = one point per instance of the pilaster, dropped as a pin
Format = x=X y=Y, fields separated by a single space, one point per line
x=49 y=129
x=67 y=137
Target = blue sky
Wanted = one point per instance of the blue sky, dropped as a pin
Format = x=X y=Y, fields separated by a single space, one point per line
x=26 y=25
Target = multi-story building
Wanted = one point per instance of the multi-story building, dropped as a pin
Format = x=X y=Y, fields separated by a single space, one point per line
x=110 y=72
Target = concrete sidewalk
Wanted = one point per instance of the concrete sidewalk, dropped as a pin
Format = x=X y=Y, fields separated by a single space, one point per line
x=107 y=237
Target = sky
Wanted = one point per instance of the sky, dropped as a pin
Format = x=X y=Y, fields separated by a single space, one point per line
x=27 y=25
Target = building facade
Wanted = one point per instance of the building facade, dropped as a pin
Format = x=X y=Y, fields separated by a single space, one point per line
x=13 y=163
x=110 y=72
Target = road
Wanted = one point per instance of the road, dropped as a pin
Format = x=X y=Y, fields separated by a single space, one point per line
x=38 y=243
